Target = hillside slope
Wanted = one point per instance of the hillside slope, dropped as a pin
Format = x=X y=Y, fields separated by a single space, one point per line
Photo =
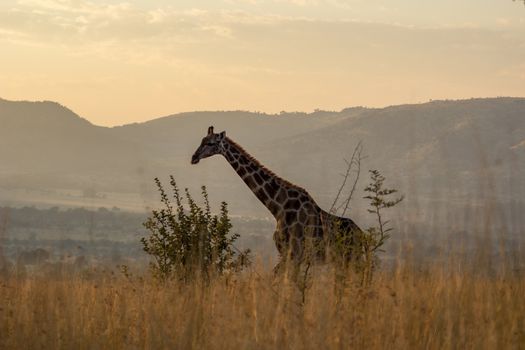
x=443 y=150
x=437 y=145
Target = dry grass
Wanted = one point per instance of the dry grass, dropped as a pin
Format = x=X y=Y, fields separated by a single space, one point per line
x=435 y=307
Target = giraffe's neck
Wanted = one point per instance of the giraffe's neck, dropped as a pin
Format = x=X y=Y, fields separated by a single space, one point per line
x=268 y=187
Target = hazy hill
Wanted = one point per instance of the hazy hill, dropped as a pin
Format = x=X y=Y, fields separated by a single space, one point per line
x=441 y=150
x=174 y=138
x=455 y=144
x=44 y=143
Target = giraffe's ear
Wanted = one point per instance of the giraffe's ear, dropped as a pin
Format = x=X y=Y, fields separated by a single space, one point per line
x=210 y=130
x=222 y=135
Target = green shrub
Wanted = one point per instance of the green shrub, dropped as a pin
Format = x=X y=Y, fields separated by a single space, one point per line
x=359 y=249
x=375 y=237
x=194 y=242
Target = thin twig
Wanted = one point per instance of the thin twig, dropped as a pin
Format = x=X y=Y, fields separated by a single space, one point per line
x=357 y=162
x=346 y=175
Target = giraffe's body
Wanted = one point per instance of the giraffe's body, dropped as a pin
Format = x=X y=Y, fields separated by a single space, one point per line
x=299 y=219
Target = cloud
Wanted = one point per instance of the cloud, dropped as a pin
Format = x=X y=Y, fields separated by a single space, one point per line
x=299 y=2
x=234 y=38
x=77 y=6
x=269 y=61
x=8 y=33
x=81 y=22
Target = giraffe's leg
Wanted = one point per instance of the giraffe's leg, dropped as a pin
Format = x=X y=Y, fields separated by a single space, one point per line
x=293 y=259
x=287 y=265
x=279 y=239
x=290 y=252
x=279 y=267
x=289 y=243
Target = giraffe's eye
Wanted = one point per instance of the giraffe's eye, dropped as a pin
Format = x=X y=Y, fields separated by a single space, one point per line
x=210 y=143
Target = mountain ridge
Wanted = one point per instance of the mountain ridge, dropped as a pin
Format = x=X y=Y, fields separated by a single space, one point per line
x=205 y=113
x=438 y=144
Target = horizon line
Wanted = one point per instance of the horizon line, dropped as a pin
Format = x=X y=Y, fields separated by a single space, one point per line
x=283 y=112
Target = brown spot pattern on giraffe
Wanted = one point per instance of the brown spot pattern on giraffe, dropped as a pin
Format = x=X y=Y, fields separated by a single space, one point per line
x=293 y=194
x=274 y=207
x=302 y=216
x=241 y=171
x=258 y=179
x=292 y=204
x=250 y=182
x=296 y=212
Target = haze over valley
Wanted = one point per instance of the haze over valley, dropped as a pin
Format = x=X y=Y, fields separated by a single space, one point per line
x=446 y=157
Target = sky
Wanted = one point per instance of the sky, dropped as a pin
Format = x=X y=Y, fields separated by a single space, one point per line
x=115 y=62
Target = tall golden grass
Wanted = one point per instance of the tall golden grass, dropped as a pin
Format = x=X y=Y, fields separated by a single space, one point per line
x=408 y=306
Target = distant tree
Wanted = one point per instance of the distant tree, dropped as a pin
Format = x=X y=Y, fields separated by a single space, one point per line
x=33 y=257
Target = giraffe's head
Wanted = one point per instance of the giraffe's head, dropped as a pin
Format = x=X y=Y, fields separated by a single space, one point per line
x=210 y=145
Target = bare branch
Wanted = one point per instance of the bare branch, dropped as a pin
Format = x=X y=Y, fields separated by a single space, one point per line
x=357 y=153
x=357 y=162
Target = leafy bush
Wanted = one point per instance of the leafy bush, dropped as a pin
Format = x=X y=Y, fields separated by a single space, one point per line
x=186 y=243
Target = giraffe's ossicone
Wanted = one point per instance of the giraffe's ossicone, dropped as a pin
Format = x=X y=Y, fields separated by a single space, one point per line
x=301 y=224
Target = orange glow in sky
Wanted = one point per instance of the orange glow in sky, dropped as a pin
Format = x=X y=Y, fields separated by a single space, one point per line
x=118 y=62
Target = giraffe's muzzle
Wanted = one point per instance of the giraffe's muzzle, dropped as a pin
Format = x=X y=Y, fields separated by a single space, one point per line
x=194 y=159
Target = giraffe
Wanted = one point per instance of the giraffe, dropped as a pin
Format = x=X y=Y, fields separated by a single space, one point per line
x=300 y=221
